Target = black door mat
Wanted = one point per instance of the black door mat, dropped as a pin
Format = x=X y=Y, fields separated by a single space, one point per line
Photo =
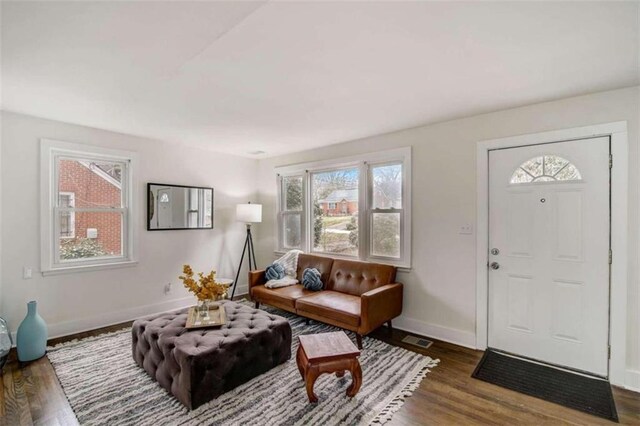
x=582 y=393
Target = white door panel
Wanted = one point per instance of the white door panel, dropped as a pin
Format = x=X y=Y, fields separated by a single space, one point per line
x=549 y=299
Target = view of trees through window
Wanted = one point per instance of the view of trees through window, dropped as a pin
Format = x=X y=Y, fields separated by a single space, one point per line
x=292 y=211
x=335 y=211
x=386 y=210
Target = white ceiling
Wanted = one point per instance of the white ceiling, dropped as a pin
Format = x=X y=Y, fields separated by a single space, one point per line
x=281 y=77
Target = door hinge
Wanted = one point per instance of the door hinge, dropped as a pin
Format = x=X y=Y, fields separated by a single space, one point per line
x=609 y=352
x=610 y=161
x=610 y=257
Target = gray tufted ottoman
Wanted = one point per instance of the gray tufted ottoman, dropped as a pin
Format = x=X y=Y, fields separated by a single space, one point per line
x=199 y=365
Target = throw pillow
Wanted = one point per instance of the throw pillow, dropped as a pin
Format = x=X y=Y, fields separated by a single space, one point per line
x=311 y=279
x=274 y=272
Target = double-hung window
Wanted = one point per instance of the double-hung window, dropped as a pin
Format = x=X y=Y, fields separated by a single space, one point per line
x=87 y=207
x=356 y=207
x=291 y=211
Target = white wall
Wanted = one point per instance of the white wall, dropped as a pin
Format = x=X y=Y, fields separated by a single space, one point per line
x=73 y=302
x=440 y=288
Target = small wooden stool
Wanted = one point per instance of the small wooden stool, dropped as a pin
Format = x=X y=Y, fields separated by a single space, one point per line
x=328 y=353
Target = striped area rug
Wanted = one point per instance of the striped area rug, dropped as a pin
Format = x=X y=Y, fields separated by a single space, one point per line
x=105 y=387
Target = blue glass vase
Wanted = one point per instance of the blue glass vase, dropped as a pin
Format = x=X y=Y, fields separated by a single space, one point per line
x=31 y=341
x=5 y=342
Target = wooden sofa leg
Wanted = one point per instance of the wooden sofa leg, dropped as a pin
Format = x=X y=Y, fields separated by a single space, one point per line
x=359 y=340
x=307 y=321
x=390 y=327
x=257 y=305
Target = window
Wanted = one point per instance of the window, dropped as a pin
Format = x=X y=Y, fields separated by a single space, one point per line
x=546 y=168
x=386 y=210
x=86 y=207
x=67 y=218
x=291 y=194
x=332 y=231
x=353 y=208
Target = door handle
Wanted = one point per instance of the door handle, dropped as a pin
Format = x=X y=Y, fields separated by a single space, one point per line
x=495 y=265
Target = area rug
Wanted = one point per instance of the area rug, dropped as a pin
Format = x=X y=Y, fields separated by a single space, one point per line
x=105 y=387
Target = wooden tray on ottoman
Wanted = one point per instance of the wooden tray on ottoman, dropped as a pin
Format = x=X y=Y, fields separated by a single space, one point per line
x=216 y=318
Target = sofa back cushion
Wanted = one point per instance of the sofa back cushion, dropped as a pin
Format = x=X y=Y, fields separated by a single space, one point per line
x=322 y=264
x=353 y=277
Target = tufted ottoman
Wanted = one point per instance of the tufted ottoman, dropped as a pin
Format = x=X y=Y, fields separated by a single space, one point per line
x=200 y=364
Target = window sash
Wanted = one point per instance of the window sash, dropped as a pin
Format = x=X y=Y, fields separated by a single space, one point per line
x=51 y=154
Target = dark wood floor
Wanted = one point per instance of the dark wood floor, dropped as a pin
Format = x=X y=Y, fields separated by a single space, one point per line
x=448 y=395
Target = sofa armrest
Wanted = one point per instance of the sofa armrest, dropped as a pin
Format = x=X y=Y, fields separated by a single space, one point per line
x=256 y=278
x=380 y=305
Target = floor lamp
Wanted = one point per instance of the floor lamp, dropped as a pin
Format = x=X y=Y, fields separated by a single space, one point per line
x=247 y=213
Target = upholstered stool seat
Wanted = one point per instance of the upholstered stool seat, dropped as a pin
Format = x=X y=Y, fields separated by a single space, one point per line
x=198 y=365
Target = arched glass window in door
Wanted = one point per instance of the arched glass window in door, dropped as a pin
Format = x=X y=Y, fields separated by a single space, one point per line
x=546 y=168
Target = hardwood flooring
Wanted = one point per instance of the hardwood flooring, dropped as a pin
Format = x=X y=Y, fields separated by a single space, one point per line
x=31 y=394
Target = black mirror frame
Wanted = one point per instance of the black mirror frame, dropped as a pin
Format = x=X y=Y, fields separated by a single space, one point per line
x=150 y=204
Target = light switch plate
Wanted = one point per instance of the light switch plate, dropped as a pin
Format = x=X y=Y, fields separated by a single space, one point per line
x=466 y=229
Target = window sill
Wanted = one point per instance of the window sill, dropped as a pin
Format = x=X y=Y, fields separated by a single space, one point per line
x=89 y=268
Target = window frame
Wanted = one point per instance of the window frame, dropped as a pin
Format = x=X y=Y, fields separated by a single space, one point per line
x=364 y=163
x=282 y=212
x=51 y=151
x=371 y=210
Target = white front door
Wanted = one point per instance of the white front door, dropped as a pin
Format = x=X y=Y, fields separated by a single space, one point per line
x=549 y=253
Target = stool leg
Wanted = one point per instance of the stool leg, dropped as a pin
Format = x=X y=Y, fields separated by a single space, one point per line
x=300 y=361
x=311 y=374
x=356 y=375
x=359 y=340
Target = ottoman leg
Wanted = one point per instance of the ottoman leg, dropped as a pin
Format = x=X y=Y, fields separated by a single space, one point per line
x=340 y=373
x=356 y=375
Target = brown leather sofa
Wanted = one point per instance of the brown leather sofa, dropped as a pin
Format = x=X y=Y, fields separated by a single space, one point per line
x=357 y=296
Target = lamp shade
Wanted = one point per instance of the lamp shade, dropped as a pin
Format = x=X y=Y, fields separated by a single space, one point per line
x=249 y=213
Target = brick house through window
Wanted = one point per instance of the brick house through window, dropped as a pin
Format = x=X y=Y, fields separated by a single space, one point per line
x=84 y=184
x=341 y=202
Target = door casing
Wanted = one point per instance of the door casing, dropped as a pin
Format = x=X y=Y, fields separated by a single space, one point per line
x=617 y=131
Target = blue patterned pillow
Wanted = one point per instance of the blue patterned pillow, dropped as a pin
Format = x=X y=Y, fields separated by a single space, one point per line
x=274 y=272
x=311 y=279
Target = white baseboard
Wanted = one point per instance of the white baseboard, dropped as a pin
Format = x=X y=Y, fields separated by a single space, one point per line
x=632 y=380
x=458 y=337
x=66 y=328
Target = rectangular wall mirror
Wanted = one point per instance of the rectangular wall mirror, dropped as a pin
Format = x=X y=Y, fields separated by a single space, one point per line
x=178 y=207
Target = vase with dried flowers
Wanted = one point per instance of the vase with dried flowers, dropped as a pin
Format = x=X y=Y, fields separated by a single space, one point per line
x=206 y=289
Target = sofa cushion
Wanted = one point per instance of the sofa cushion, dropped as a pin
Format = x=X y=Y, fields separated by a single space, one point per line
x=355 y=278
x=321 y=263
x=284 y=296
x=341 y=307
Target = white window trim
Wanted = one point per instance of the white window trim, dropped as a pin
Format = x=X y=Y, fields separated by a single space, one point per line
x=363 y=161
x=49 y=151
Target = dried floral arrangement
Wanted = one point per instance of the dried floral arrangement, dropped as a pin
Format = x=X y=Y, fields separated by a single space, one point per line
x=206 y=287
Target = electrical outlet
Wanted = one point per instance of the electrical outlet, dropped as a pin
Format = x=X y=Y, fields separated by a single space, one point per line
x=167 y=288
x=466 y=229
x=26 y=273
